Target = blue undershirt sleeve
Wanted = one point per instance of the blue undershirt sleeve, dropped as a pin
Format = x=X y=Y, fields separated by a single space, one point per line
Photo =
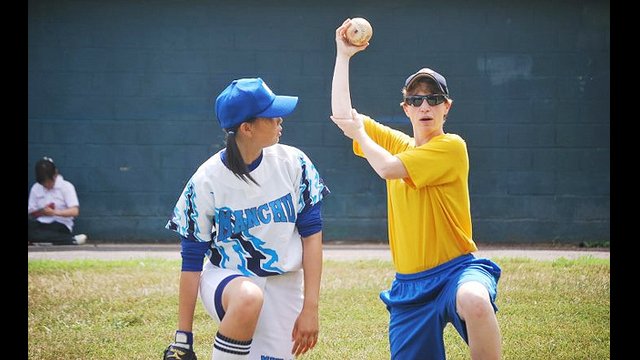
x=193 y=253
x=309 y=220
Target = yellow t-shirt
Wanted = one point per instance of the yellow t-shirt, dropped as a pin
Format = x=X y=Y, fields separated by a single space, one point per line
x=429 y=212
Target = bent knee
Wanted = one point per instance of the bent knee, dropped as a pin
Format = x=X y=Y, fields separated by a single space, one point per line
x=244 y=295
x=473 y=302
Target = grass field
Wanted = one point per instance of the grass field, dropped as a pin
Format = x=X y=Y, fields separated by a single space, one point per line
x=96 y=309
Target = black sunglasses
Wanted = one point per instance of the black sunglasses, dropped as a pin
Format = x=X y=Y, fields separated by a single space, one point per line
x=433 y=99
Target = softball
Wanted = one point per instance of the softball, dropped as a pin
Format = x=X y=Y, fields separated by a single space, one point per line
x=359 y=32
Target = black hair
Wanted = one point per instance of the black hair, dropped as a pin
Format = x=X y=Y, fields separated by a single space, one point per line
x=235 y=162
x=45 y=170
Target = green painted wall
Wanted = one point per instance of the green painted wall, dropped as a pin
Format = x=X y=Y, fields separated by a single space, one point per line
x=120 y=94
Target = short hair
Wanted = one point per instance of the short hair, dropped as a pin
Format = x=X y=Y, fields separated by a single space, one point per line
x=45 y=170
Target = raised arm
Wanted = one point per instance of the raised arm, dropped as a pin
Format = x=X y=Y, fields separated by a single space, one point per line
x=340 y=94
x=348 y=120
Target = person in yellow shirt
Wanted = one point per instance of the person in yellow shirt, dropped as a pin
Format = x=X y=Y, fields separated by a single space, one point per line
x=438 y=278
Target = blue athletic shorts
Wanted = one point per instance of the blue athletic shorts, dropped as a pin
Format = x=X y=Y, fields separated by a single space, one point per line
x=421 y=304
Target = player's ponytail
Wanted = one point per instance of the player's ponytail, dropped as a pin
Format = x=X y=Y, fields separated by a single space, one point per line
x=235 y=163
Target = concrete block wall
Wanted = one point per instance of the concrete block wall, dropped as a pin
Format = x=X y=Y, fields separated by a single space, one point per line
x=120 y=94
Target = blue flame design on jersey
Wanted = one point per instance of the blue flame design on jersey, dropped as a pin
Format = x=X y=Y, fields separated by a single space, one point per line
x=248 y=250
x=267 y=266
x=218 y=256
x=190 y=229
x=311 y=185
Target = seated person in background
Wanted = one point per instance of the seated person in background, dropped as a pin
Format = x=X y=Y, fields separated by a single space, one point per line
x=53 y=204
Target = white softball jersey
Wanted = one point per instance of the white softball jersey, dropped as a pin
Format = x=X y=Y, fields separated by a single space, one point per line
x=252 y=227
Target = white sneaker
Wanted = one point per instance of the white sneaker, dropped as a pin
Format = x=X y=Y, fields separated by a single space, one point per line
x=80 y=239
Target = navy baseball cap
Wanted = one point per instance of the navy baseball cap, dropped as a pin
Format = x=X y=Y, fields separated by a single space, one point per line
x=247 y=98
x=426 y=72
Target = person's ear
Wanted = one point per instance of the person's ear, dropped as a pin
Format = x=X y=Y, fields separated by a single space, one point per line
x=405 y=108
x=448 y=105
x=245 y=128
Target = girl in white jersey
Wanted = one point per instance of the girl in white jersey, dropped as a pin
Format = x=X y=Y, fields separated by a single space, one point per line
x=254 y=210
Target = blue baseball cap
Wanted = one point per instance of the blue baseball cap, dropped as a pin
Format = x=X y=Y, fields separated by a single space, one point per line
x=426 y=72
x=247 y=98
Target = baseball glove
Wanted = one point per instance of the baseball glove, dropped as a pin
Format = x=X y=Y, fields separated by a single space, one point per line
x=173 y=352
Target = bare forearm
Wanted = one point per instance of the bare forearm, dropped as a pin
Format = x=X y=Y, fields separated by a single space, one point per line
x=189 y=284
x=386 y=165
x=340 y=93
x=68 y=212
x=312 y=266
